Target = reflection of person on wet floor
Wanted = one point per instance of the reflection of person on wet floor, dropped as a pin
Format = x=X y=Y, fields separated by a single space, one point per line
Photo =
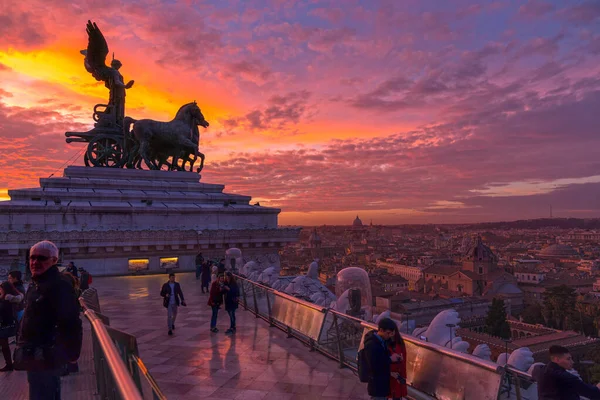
x=172 y=297
x=232 y=293
x=215 y=299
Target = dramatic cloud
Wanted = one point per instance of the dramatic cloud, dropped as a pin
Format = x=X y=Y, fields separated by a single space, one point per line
x=406 y=111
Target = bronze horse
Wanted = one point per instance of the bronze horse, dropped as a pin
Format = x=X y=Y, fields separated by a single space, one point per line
x=155 y=141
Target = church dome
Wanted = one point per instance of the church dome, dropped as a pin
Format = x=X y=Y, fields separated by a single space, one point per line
x=559 y=250
x=478 y=251
x=357 y=222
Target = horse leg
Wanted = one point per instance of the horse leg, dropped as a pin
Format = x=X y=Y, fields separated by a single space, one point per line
x=144 y=150
x=201 y=162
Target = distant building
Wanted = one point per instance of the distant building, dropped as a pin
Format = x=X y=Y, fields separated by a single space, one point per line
x=479 y=275
x=559 y=252
x=537 y=338
x=412 y=274
x=524 y=276
x=395 y=284
x=583 y=236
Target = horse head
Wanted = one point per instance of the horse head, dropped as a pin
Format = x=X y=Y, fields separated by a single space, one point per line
x=191 y=113
x=197 y=115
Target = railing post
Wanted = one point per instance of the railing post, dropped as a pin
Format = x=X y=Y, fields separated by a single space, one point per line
x=244 y=293
x=339 y=342
x=255 y=302
x=269 y=308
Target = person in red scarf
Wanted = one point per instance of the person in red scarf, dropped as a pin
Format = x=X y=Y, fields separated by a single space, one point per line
x=398 y=369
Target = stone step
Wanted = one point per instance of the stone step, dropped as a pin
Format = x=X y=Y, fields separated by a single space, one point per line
x=133 y=174
x=136 y=184
x=125 y=195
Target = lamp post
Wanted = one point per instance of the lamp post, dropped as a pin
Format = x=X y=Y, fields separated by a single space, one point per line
x=506 y=342
x=450 y=326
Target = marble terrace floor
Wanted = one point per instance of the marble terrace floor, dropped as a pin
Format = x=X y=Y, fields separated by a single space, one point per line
x=258 y=362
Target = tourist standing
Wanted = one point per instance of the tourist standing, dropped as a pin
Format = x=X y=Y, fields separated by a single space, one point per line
x=215 y=299
x=18 y=302
x=85 y=281
x=232 y=293
x=72 y=269
x=172 y=297
x=8 y=323
x=51 y=325
x=398 y=388
x=205 y=282
x=199 y=262
x=556 y=383
x=221 y=266
x=378 y=360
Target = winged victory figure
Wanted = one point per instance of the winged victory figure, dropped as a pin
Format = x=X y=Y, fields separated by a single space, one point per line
x=95 y=63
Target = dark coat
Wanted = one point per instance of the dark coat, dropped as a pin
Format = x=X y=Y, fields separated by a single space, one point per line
x=51 y=317
x=397 y=387
x=555 y=383
x=166 y=289
x=378 y=361
x=7 y=315
x=215 y=297
x=205 y=274
x=84 y=281
x=231 y=297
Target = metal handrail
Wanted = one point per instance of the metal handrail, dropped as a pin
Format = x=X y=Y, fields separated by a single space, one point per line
x=140 y=364
x=508 y=372
x=123 y=381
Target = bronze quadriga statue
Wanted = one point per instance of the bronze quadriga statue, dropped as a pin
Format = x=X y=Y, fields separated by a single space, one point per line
x=159 y=145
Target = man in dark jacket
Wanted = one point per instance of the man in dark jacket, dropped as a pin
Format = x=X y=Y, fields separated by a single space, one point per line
x=50 y=326
x=556 y=383
x=199 y=262
x=378 y=359
x=172 y=297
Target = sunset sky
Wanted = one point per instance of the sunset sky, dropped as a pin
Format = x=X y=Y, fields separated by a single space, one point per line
x=399 y=111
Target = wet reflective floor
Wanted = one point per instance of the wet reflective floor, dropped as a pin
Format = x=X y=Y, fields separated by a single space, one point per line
x=258 y=362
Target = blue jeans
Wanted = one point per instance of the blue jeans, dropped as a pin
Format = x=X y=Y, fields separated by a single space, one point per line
x=231 y=318
x=213 y=319
x=44 y=385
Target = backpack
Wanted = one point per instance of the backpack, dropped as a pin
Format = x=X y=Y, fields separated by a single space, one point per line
x=363 y=367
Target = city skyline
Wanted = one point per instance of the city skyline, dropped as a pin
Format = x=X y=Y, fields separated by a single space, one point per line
x=411 y=112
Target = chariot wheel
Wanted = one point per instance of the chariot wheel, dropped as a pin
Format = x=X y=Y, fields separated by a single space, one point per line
x=86 y=159
x=106 y=151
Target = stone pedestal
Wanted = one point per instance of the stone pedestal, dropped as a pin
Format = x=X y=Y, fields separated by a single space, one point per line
x=103 y=218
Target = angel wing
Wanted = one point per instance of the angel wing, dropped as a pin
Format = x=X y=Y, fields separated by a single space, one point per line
x=95 y=54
